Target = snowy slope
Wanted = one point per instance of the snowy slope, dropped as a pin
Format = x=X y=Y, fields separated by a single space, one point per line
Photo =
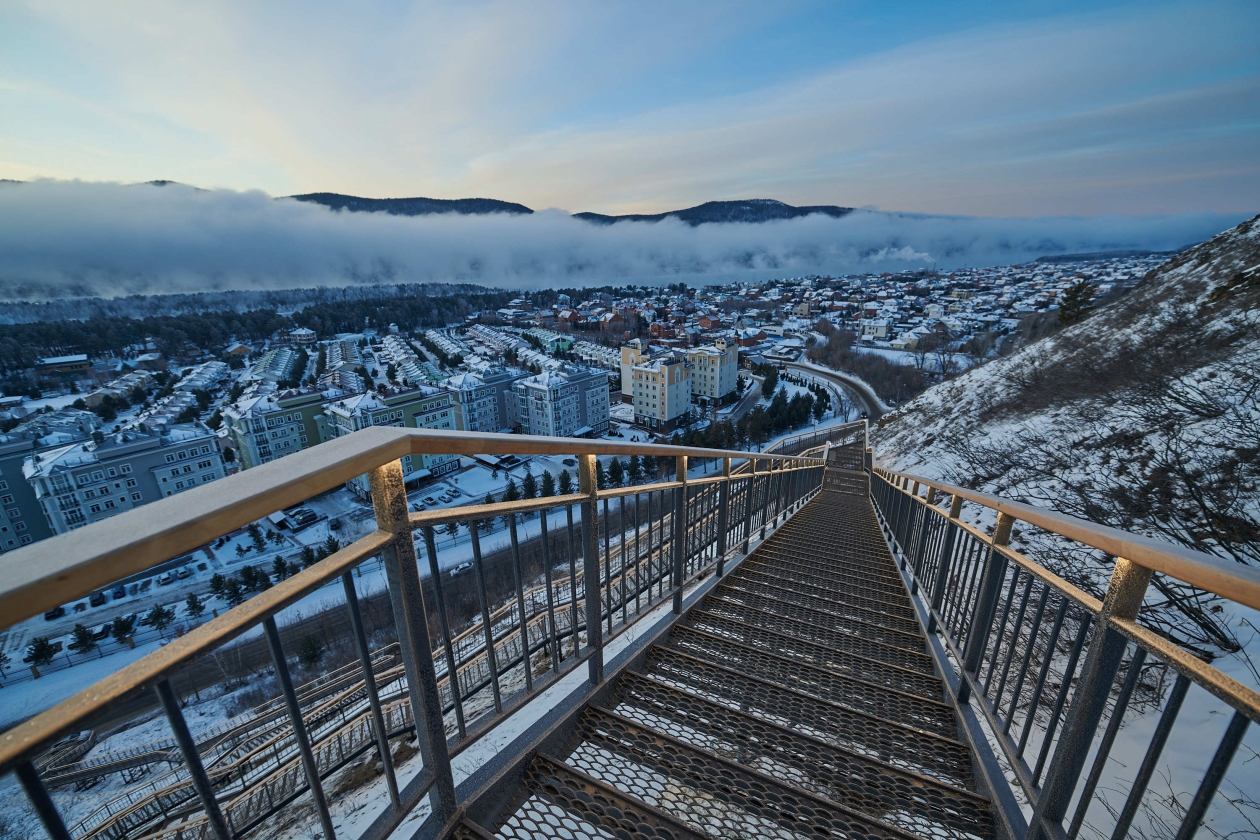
x=1144 y=416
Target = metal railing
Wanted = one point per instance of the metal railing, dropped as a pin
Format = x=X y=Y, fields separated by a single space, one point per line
x=1056 y=673
x=614 y=553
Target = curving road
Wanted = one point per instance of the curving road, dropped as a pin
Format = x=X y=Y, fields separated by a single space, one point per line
x=870 y=401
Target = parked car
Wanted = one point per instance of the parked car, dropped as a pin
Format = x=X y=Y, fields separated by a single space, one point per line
x=120 y=591
x=460 y=569
x=417 y=506
x=303 y=517
x=569 y=462
x=430 y=501
x=165 y=579
x=101 y=631
x=80 y=607
x=183 y=572
x=55 y=612
x=335 y=525
x=454 y=491
x=444 y=498
x=96 y=599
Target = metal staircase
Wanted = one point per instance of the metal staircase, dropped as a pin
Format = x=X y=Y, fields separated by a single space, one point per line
x=797 y=699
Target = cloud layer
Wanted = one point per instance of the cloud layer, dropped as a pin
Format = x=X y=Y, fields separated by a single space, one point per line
x=63 y=238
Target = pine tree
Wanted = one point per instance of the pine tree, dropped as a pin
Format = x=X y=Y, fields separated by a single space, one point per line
x=123 y=628
x=635 y=469
x=194 y=607
x=41 y=651
x=82 y=641
x=1077 y=302
x=616 y=473
x=548 y=484
x=566 y=483
x=529 y=486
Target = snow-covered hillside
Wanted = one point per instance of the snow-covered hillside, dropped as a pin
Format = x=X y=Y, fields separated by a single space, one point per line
x=1144 y=416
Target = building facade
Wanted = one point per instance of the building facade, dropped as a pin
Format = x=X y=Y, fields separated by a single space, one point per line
x=714 y=371
x=567 y=402
x=415 y=408
x=94 y=480
x=634 y=352
x=485 y=402
x=662 y=393
x=267 y=426
x=22 y=519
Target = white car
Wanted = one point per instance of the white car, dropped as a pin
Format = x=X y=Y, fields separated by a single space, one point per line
x=165 y=578
x=454 y=492
x=461 y=568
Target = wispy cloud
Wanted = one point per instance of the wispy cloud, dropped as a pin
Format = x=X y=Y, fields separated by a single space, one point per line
x=62 y=238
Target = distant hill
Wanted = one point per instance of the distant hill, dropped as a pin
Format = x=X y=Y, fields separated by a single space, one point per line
x=751 y=210
x=1105 y=255
x=414 y=206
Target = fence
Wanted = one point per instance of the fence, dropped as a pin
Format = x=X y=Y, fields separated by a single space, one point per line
x=654 y=540
x=1055 y=672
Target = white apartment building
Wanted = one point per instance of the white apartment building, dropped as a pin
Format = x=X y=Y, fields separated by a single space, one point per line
x=662 y=392
x=714 y=371
x=485 y=402
x=567 y=402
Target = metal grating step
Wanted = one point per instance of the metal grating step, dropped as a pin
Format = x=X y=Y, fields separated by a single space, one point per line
x=892 y=603
x=871 y=787
x=937 y=756
x=775 y=641
x=557 y=801
x=867 y=577
x=814 y=627
x=718 y=797
x=867 y=623
x=843 y=586
x=906 y=709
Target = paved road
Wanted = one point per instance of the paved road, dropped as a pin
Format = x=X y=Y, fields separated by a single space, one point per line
x=871 y=403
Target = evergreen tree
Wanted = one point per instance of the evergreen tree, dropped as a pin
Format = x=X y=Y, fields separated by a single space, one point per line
x=41 y=651
x=280 y=568
x=616 y=473
x=635 y=470
x=160 y=617
x=233 y=592
x=82 y=641
x=566 y=483
x=1077 y=302
x=194 y=607
x=123 y=628
x=308 y=557
x=548 y=484
x=529 y=486
x=256 y=537
x=218 y=585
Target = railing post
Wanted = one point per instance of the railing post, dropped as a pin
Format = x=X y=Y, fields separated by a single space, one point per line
x=724 y=499
x=588 y=486
x=748 y=502
x=680 y=530
x=986 y=603
x=942 y=566
x=1089 y=701
x=402 y=575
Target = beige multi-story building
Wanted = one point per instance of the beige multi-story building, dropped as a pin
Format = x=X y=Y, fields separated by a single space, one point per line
x=634 y=352
x=714 y=371
x=662 y=392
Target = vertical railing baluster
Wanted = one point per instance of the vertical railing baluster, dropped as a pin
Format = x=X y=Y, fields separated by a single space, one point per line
x=299 y=727
x=986 y=604
x=943 y=567
x=554 y=644
x=1212 y=778
x=621 y=522
x=487 y=629
x=573 y=596
x=518 y=579
x=680 y=513
x=51 y=818
x=588 y=486
x=389 y=501
x=724 y=502
x=608 y=570
x=1106 y=649
x=369 y=686
x=748 y=502
x=452 y=670
x=1153 y=752
x=638 y=557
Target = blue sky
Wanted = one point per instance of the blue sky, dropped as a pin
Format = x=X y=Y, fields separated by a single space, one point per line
x=991 y=109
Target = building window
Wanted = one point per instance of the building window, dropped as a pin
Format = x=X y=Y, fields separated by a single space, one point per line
x=179 y=485
x=94 y=509
x=26 y=539
x=175 y=472
x=19 y=526
x=98 y=476
x=125 y=468
x=205 y=450
x=8 y=500
x=109 y=505
x=112 y=472
x=4 y=485
x=135 y=497
x=131 y=482
x=170 y=459
x=208 y=477
x=13 y=513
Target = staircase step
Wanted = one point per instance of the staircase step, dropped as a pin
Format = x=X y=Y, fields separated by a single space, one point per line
x=823 y=630
x=889 y=704
x=711 y=795
x=875 y=789
x=866 y=623
x=557 y=800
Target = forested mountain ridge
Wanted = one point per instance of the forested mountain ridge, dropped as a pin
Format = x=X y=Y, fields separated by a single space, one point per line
x=414 y=206
x=754 y=210
x=1144 y=416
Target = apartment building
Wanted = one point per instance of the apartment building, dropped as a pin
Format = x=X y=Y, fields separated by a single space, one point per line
x=421 y=407
x=485 y=401
x=569 y=401
x=714 y=371
x=22 y=519
x=96 y=479
x=662 y=392
x=266 y=425
x=634 y=352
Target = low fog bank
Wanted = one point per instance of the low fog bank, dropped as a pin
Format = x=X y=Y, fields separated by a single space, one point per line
x=70 y=239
